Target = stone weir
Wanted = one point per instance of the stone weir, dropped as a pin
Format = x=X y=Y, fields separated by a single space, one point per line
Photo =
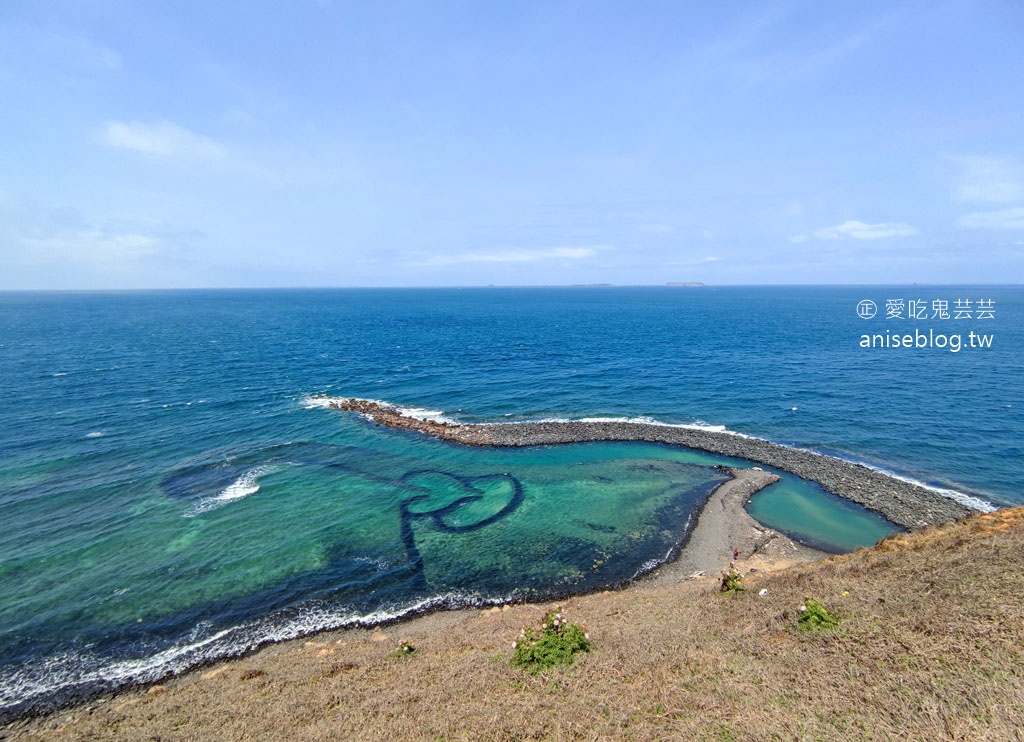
x=904 y=503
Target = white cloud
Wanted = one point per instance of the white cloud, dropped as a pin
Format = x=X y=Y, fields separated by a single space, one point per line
x=161 y=139
x=1001 y=219
x=60 y=248
x=96 y=56
x=93 y=247
x=996 y=180
x=656 y=229
x=749 y=56
x=861 y=231
x=514 y=256
x=57 y=50
x=696 y=261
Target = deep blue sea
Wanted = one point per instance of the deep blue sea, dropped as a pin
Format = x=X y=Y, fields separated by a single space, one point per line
x=171 y=492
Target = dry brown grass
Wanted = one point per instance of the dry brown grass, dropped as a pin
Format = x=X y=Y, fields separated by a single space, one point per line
x=932 y=647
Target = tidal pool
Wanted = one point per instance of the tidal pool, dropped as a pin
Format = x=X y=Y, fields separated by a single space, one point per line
x=807 y=513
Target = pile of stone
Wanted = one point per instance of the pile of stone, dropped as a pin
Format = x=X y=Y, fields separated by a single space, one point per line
x=904 y=503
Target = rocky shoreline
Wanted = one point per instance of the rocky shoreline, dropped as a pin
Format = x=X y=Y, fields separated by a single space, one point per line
x=903 y=503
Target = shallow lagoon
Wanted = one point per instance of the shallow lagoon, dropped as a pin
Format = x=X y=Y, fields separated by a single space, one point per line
x=804 y=511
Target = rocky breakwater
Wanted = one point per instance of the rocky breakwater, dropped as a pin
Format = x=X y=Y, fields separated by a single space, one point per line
x=904 y=503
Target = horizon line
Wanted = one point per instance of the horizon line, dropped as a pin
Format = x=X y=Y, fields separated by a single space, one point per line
x=670 y=285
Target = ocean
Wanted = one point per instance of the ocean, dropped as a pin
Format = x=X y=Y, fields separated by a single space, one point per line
x=172 y=492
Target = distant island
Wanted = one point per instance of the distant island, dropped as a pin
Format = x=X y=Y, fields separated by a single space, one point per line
x=684 y=283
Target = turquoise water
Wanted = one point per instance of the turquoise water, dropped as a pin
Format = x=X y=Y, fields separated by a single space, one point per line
x=170 y=496
x=804 y=511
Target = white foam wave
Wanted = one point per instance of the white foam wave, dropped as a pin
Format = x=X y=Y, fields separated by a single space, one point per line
x=82 y=670
x=73 y=669
x=94 y=434
x=640 y=420
x=649 y=566
x=645 y=420
x=975 y=503
x=322 y=400
x=245 y=485
x=415 y=413
x=420 y=413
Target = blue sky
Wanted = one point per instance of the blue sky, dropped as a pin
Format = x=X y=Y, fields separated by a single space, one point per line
x=320 y=143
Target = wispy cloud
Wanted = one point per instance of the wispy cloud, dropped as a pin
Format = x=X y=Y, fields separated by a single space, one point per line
x=655 y=229
x=161 y=139
x=990 y=181
x=696 y=261
x=747 y=55
x=862 y=231
x=994 y=180
x=87 y=54
x=58 y=49
x=67 y=249
x=94 y=247
x=514 y=256
x=1000 y=219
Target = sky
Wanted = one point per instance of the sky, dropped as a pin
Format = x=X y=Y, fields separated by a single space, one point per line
x=186 y=144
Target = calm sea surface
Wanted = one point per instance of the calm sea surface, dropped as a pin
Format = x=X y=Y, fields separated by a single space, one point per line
x=169 y=494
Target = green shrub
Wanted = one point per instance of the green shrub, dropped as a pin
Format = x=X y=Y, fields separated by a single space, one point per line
x=816 y=617
x=731 y=582
x=556 y=642
x=404 y=650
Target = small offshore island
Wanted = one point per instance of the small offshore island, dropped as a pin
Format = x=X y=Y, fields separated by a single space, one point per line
x=903 y=503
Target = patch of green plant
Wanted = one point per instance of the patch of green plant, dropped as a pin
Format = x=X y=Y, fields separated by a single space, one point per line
x=732 y=582
x=404 y=650
x=816 y=617
x=556 y=642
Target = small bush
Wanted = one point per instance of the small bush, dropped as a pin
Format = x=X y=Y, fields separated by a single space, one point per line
x=404 y=650
x=731 y=582
x=557 y=642
x=816 y=617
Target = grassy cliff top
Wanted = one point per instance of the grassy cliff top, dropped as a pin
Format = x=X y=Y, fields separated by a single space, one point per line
x=931 y=646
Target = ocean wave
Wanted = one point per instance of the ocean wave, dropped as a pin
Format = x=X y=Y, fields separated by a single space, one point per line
x=420 y=413
x=639 y=420
x=75 y=675
x=312 y=403
x=975 y=503
x=415 y=413
x=245 y=485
